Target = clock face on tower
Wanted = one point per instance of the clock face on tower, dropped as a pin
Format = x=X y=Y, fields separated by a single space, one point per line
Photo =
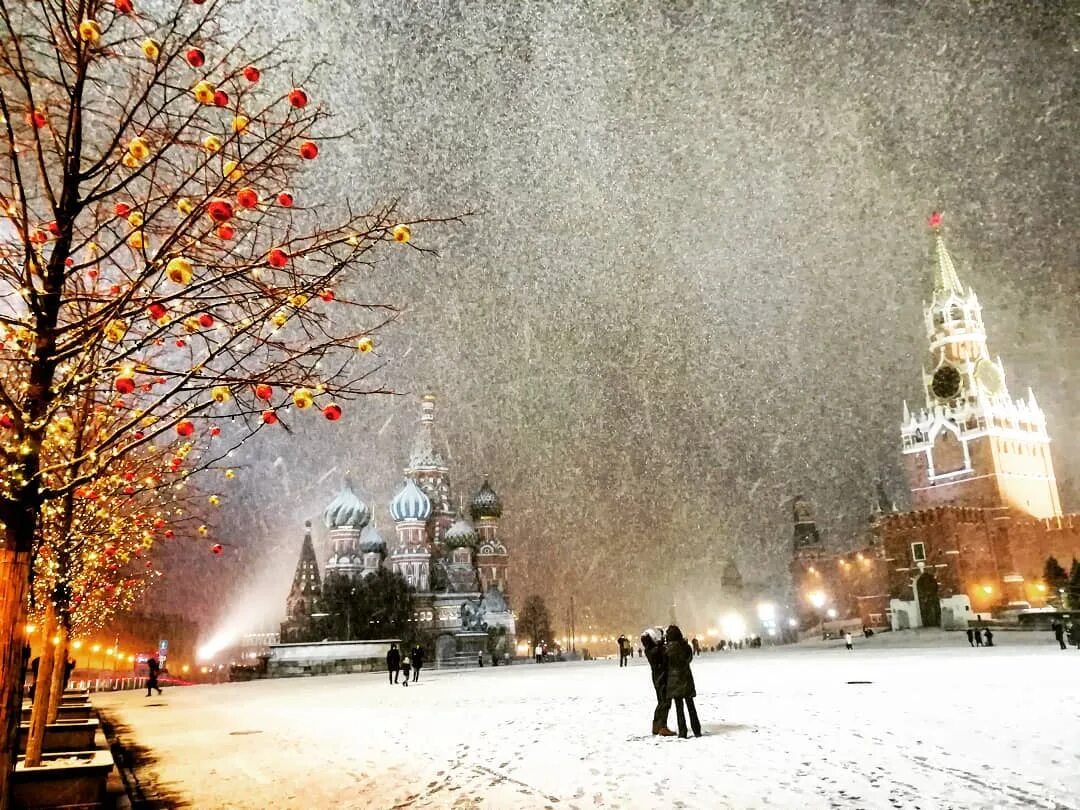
x=989 y=377
x=946 y=383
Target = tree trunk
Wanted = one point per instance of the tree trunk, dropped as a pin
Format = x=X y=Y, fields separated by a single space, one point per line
x=14 y=586
x=42 y=689
x=56 y=693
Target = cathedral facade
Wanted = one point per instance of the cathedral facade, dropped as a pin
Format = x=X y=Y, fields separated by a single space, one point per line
x=455 y=563
x=986 y=510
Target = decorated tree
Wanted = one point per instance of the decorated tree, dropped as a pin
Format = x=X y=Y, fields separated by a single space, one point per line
x=1056 y=579
x=534 y=623
x=158 y=255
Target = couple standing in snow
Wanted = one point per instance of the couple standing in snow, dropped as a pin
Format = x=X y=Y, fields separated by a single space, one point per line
x=669 y=659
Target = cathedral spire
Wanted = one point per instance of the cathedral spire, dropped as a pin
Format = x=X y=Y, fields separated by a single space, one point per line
x=946 y=281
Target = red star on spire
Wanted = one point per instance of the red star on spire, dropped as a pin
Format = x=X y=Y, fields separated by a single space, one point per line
x=935 y=220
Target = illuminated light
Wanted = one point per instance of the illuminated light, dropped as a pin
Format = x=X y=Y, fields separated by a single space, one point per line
x=733 y=625
x=30 y=628
x=76 y=645
x=184 y=668
x=766 y=611
x=831 y=613
x=792 y=623
x=56 y=640
x=96 y=648
x=816 y=598
x=713 y=631
x=987 y=589
x=1041 y=587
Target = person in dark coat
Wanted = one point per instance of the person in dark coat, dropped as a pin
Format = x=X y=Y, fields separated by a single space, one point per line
x=153 y=667
x=393 y=663
x=989 y=637
x=34 y=670
x=69 y=667
x=978 y=637
x=405 y=670
x=417 y=662
x=680 y=682
x=1059 y=633
x=652 y=641
x=971 y=637
x=695 y=645
x=622 y=642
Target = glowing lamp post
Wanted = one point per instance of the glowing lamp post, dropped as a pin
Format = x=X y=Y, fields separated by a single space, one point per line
x=817 y=599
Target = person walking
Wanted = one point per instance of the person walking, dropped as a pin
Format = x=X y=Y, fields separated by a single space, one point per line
x=978 y=637
x=539 y=653
x=153 y=667
x=971 y=637
x=621 y=641
x=652 y=642
x=1059 y=633
x=405 y=666
x=847 y=640
x=417 y=662
x=393 y=663
x=680 y=683
x=69 y=667
x=989 y=637
x=695 y=646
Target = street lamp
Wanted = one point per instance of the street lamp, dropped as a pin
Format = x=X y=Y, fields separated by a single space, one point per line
x=817 y=599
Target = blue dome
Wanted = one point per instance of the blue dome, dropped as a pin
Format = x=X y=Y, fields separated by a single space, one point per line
x=460 y=533
x=410 y=504
x=371 y=540
x=346 y=510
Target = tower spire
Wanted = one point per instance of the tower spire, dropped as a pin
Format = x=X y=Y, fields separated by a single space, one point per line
x=946 y=281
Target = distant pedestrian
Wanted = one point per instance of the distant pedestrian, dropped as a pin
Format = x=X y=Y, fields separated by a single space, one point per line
x=417 y=662
x=69 y=667
x=1059 y=633
x=622 y=642
x=153 y=667
x=406 y=665
x=539 y=653
x=480 y=658
x=393 y=663
x=989 y=637
x=695 y=646
x=978 y=637
x=971 y=637
x=680 y=683
x=847 y=640
x=652 y=641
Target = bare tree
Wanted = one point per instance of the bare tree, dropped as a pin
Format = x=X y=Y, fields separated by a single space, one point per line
x=155 y=255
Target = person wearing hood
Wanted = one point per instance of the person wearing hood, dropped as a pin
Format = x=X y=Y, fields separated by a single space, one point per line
x=680 y=681
x=652 y=641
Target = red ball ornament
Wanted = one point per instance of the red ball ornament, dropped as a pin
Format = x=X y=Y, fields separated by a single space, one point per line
x=226 y=232
x=70 y=262
x=38 y=119
x=181 y=343
x=298 y=98
x=269 y=417
x=129 y=476
x=206 y=320
x=124 y=385
x=121 y=209
x=157 y=311
x=251 y=73
x=215 y=431
x=220 y=210
x=109 y=549
x=221 y=98
x=129 y=490
x=217 y=548
x=185 y=428
x=114 y=289
x=7 y=422
x=149 y=563
x=196 y=58
x=327 y=295
x=54 y=229
x=124 y=7
x=332 y=412
x=138 y=435
x=263 y=391
x=285 y=199
x=309 y=150
x=169 y=534
x=38 y=237
x=247 y=197
x=277 y=258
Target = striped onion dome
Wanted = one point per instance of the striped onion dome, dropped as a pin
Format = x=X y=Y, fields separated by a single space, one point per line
x=460 y=533
x=346 y=510
x=371 y=539
x=410 y=503
x=485 y=503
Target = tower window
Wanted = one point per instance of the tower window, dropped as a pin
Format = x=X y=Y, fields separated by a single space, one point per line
x=918 y=552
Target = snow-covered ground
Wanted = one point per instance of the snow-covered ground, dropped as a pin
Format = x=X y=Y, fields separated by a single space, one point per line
x=806 y=727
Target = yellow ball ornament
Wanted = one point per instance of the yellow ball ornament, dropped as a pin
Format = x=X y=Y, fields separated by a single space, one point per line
x=115 y=330
x=179 y=270
x=204 y=92
x=230 y=474
x=135 y=240
x=402 y=233
x=220 y=394
x=302 y=398
x=184 y=206
x=215 y=500
x=365 y=345
x=151 y=50
x=89 y=31
x=240 y=123
x=135 y=219
x=232 y=171
x=211 y=143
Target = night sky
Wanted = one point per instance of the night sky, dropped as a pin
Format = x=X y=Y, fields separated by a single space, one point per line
x=691 y=285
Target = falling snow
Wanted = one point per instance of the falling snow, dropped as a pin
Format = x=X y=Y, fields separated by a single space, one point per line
x=691 y=284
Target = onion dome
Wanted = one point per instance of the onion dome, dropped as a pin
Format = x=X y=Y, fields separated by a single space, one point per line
x=371 y=540
x=346 y=511
x=485 y=503
x=410 y=503
x=461 y=533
